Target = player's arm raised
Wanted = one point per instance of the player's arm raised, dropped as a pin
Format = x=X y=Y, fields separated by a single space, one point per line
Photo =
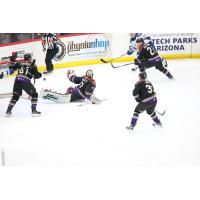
x=73 y=78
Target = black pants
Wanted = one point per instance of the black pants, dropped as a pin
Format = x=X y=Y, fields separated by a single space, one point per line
x=51 y=53
x=28 y=87
x=149 y=107
x=151 y=63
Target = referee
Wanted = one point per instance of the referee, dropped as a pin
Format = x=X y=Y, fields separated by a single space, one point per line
x=49 y=45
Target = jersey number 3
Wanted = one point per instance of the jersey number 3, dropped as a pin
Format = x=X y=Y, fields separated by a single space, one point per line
x=149 y=88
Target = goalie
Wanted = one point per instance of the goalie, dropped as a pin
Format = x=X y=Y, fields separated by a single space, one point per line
x=83 y=91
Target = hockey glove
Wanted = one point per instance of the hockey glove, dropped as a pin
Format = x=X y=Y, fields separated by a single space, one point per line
x=10 y=71
x=129 y=52
x=138 y=99
x=70 y=74
x=1 y=75
x=6 y=73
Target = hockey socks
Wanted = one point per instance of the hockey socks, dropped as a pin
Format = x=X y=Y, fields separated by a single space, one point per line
x=155 y=119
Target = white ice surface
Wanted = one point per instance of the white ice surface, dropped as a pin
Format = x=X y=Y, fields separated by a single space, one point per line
x=95 y=135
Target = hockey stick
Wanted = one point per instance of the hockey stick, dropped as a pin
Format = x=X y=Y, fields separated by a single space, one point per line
x=89 y=102
x=121 y=65
x=104 y=61
x=160 y=113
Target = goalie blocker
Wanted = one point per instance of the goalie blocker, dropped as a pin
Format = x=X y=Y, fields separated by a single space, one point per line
x=83 y=91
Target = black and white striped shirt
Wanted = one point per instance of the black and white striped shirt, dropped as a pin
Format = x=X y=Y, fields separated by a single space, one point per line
x=48 y=40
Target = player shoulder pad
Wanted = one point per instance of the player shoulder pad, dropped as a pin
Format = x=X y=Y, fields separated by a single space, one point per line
x=145 y=46
x=148 y=82
x=91 y=80
x=138 y=83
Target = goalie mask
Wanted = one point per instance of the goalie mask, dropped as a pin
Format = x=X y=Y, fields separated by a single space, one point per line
x=89 y=73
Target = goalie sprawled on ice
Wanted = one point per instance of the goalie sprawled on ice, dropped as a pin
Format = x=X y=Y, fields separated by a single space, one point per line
x=83 y=91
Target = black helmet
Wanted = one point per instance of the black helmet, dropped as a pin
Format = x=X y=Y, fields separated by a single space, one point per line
x=143 y=75
x=138 y=40
x=27 y=56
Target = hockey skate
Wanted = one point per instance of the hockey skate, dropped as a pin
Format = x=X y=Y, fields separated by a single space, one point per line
x=157 y=124
x=36 y=113
x=47 y=72
x=130 y=128
x=8 y=114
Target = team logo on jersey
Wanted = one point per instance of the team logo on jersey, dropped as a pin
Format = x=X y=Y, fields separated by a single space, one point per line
x=61 y=51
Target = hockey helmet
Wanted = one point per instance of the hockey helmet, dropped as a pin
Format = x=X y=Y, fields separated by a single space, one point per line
x=138 y=40
x=143 y=75
x=89 y=73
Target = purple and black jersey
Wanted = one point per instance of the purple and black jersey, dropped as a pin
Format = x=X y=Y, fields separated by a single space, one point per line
x=85 y=88
x=144 y=91
x=147 y=52
x=25 y=70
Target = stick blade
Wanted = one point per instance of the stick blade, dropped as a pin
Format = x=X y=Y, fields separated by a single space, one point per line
x=102 y=60
x=163 y=113
x=113 y=65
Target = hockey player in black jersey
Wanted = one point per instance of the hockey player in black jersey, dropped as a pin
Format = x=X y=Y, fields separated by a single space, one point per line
x=26 y=70
x=148 y=57
x=145 y=95
x=83 y=91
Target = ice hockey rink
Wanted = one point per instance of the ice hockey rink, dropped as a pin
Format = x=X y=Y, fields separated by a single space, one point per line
x=95 y=135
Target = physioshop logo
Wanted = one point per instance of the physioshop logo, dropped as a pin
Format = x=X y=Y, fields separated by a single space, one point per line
x=95 y=44
x=61 y=51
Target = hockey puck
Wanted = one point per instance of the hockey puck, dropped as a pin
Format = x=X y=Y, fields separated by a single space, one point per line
x=44 y=79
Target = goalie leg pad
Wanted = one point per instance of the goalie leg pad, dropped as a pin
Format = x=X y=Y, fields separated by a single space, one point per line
x=55 y=96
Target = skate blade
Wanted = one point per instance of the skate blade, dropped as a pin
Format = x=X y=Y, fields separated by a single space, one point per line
x=46 y=74
x=157 y=126
x=129 y=129
x=8 y=115
x=36 y=115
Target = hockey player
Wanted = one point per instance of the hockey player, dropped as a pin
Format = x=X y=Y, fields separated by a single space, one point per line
x=145 y=95
x=147 y=40
x=148 y=57
x=26 y=70
x=83 y=91
x=134 y=36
